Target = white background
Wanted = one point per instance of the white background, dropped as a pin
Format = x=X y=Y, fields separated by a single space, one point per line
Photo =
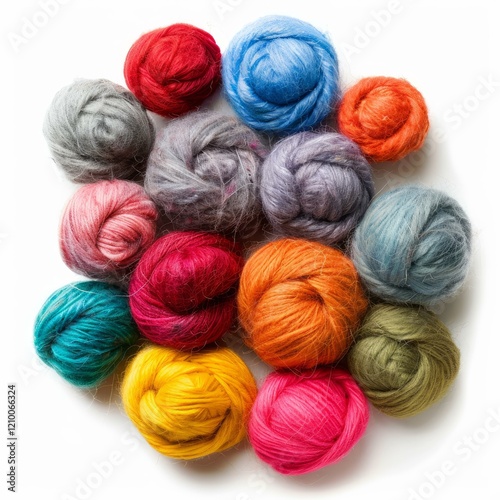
x=447 y=49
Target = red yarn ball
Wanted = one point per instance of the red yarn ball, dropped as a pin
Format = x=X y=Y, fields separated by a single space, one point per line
x=173 y=70
x=182 y=292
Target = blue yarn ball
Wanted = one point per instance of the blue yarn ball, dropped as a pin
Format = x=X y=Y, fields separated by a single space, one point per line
x=281 y=75
x=413 y=246
x=84 y=330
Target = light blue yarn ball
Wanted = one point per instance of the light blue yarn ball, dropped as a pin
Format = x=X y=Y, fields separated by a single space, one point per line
x=84 y=330
x=281 y=75
x=413 y=245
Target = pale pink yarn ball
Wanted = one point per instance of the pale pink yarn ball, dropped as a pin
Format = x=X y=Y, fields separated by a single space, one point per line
x=302 y=422
x=105 y=229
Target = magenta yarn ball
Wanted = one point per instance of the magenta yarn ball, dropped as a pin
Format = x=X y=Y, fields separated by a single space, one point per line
x=302 y=422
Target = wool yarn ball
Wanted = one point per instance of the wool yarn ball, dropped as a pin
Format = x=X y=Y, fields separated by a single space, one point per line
x=316 y=186
x=96 y=129
x=189 y=405
x=413 y=245
x=204 y=173
x=281 y=75
x=105 y=228
x=404 y=359
x=182 y=292
x=300 y=303
x=302 y=422
x=387 y=117
x=173 y=70
x=84 y=330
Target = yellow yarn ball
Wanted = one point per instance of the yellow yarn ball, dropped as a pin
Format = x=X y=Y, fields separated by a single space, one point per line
x=188 y=405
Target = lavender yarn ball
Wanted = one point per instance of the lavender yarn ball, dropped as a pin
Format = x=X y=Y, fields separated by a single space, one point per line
x=316 y=186
x=203 y=173
x=97 y=130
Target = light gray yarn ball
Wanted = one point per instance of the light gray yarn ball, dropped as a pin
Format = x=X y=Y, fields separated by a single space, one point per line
x=98 y=130
x=316 y=186
x=203 y=173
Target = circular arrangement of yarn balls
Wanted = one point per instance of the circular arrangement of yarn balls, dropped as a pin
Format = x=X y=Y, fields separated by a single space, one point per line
x=300 y=303
x=182 y=292
x=413 y=245
x=281 y=75
x=189 y=405
x=301 y=423
x=316 y=186
x=84 y=330
x=404 y=359
x=204 y=173
x=98 y=130
x=387 y=117
x=105 y=228
x=173 y=70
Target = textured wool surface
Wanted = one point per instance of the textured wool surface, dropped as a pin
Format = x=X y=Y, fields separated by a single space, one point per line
x=173 y=70
x=413 y=245
x=300 y=303
x=182 y=292
x=84 y=330
x=300 y=423
x=404 y=359
x=105 y=228
x=280 y=75
x=189 y=405
x=98 y=130
x=386 y=116
x=316 y=186
x=204 y=172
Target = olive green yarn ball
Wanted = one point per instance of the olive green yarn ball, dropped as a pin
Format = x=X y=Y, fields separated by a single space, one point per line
x=404 y=359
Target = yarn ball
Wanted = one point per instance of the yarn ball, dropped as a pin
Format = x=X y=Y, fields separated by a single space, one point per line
x=300 y=423
x=173 y=70
x=281 y=75
x=404 y=359
x=98 y=130
x=84 y=330
x=182 y=292
x=105 y=228
x=189 y=405
x=413 y=245
x=316 y=186
x=300 y=303
x=204 y=173
x=387 y=117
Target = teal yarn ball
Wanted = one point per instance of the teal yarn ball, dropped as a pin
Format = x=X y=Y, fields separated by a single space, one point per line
x=413 y=246
x=84 y=330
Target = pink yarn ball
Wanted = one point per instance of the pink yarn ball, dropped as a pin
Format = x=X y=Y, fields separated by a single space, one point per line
x=300 y=423
x=105 y=229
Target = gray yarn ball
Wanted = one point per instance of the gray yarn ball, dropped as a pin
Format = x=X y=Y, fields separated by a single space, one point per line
x=98 y=130
x=203 y=173
x=316 y=186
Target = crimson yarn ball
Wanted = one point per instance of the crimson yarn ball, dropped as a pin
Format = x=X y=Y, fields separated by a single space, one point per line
x=183 y=290
x=173 y=70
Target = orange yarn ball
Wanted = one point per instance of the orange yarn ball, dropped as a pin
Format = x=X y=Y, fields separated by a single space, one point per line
x=300 y=303
x=387 y=117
